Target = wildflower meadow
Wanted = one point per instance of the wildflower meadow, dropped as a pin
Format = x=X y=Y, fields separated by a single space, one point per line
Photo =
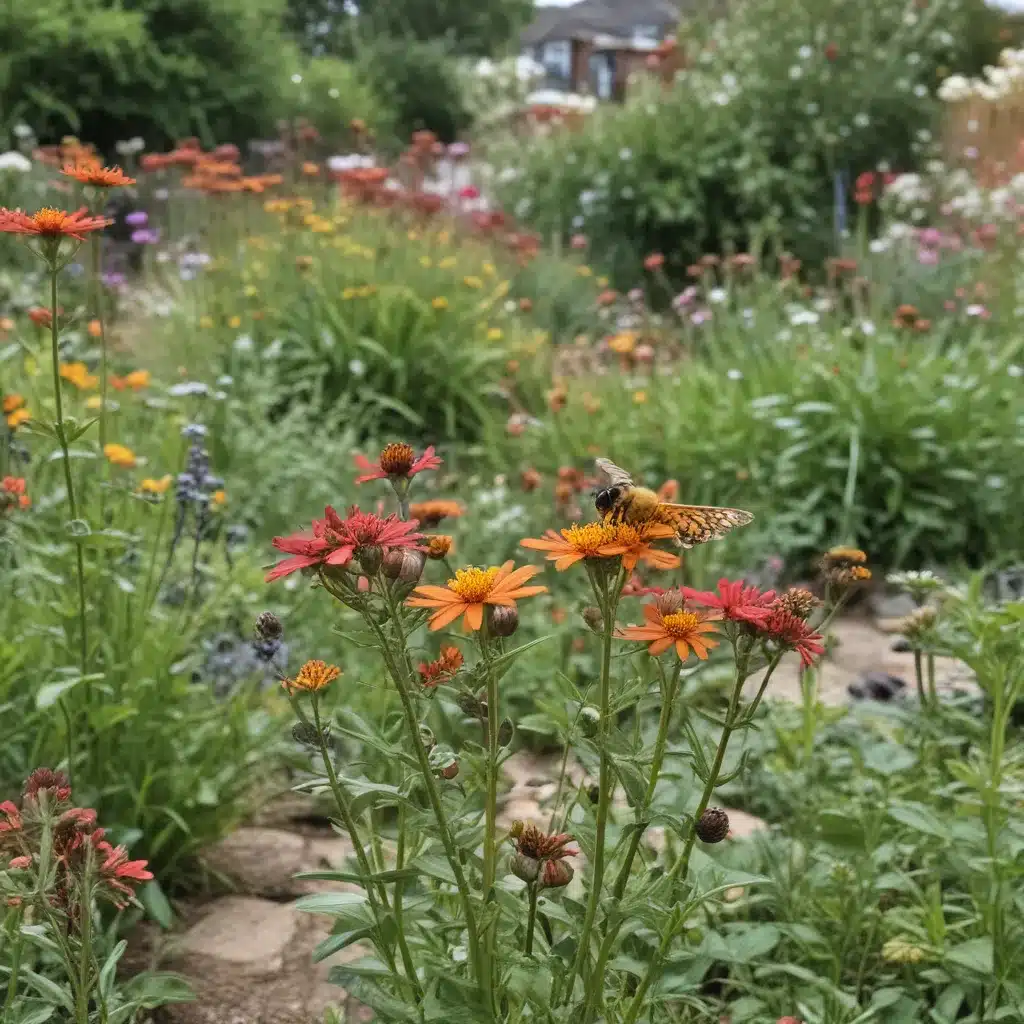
x=481 y=554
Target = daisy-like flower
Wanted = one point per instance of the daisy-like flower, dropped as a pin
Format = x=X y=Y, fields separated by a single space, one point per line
x=441 y=669
x=430 y=513
x=313 y=677
x=90 y=172
x=334 y=541
x=397 y=462
x=51 y=224
x=136 y=380
x=119 y=455
x=682 y=629
x=472 y=589
x=637 y=543
x=12 y=402
x=79 y=375
x=793 y=633
x=736 y=601
x=567 y=547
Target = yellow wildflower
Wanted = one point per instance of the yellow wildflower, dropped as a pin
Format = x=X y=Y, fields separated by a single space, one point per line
x=151 y=486
x=440 y=302
x=119 y=455
x=206 y=322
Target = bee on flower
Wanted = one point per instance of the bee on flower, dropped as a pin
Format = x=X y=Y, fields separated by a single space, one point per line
x=843 y=566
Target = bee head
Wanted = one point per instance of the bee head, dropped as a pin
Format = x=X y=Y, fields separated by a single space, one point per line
x=605 y=499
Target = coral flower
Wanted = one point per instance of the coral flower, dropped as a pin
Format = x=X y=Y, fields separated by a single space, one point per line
x=12 y=492
x=119 y=874
x=430 y=513
x=682 y=629
x=654 y=262
x=792 y=632
x=10 y=817
x=91 y=173
x=51 y=223
x=313 y=677
x=397 y=461
x=473 y=588
x=567 y=547
x=333 y=540
x=441 y=669
x=119 y=455
x=737 y=602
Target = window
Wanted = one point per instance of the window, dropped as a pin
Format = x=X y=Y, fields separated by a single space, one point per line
x=557 y=59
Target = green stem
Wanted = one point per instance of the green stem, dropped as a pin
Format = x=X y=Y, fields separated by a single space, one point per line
x=345 y=810
x=73 y=504
x=85 y=958
x=919 y=677
x=15 y=963
x=531 y=920
x=410 y=967
x=609 y=604
x=398 y=676
x=97 y=275
x=491 y=809
x=932 y=695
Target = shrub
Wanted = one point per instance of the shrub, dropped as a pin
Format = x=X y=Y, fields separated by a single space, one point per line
x=162 y=69
x=747 y=143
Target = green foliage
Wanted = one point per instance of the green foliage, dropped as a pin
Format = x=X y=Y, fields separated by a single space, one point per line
x=420 y=83
x=162 y=69
x=746 y=145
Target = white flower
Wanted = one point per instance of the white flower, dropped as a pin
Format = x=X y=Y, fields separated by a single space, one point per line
x=1015 y=371
x=800 y=317
x=243 y=343
x=867 y=327
x=861 y=120
x=796 y=72
x=15 y=161
x=805 y=52
x=296 y=78
x=717 y=295
x=735 y=375
x=974 y=309
x=356 y=367
x=625 y=153
x=22 y=131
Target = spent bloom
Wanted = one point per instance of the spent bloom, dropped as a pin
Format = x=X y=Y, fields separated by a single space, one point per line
x=471 y=590
x=397 y=462
x=442 y=668
x=737 y=601
x=685 y=630
x=793 y=633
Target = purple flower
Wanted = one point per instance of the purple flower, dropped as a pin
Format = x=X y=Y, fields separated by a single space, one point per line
x=685 y=297
x=458 y=150
x=137 y=218
x=930 y=236
x=927 y=257
x=145 y=236
x=113 y=279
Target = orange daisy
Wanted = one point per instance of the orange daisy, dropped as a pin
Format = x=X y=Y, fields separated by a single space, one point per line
x=685 y=630
x=90 y=172
x=567 y=547
x=636 y=543
x=430 y=513
x=51 y=223
x=473 y=588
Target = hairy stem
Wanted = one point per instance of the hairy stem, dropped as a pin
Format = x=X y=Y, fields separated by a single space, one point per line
x=531 y=920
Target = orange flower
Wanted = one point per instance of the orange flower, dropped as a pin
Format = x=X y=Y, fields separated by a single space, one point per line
x=441 y=669
x=310 y=169
x=95 y=328
x=89 y=172
x=50 y=223
x=79 y=375
x=636 y=544
x=430 y=513
x=313 y=677
x=12 y=401
x=16 y=418
x=137 y=380
x=119 y=455
x=473 y=588
x=683 y=629
x=566 y=548
x=654 y=262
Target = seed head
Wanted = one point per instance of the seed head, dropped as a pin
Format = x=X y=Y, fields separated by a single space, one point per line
x=524 y=867
x=397 y=459
x=798 y=602
x=713 y=825
x=268 y=626
x=594 y=619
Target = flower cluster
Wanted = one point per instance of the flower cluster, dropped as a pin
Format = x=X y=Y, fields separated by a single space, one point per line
x=539 y=857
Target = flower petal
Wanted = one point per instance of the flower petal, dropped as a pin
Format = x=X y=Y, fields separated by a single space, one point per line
x=474 y=616
x=445 y=616
x=290 y=565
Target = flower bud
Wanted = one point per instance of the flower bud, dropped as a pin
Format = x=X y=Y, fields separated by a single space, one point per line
x=505 y=731
x=403 y=565
x=517 y=828
x=306 y=734
x=523 y=867
x=427 y=738
x=557 y=873
x=590 y=719
x=370 y=559
x=502 y=620
x=594 y=619
x=713 y=825
x=268 y=626
x=450 y=770
x=439 y=546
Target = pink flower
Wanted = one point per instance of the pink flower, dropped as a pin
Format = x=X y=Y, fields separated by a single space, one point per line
x=12 y=815
x=397 y=461
x=120 y=874
x=20 y=862
x=469 y=192
x=334 y=540
x=738 y=602
x=791 y=631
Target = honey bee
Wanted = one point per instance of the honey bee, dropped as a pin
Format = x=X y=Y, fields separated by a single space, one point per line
x=620 y=500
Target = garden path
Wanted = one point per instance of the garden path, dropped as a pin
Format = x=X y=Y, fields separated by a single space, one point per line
x=248 y=953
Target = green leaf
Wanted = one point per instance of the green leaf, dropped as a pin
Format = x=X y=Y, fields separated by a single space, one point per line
x=334 y=943
x=919 y=818
x=77 y=432
x=152 y=897
x=49 y=990
x=109 y=970
x=975 y=955
x=48 y=694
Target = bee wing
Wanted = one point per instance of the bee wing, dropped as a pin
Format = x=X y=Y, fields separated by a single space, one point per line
x=611 y=475
x=697 y=524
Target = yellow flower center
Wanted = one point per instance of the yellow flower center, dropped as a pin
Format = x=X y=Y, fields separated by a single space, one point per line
x=588 y=538
x=680 y=624
x=473 y=584
x=847 y=555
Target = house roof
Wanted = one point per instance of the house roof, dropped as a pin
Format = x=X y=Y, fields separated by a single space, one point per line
x=590 y=18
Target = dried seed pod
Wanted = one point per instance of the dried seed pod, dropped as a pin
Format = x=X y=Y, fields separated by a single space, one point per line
x=370 y=560
x=713 y=825
x=305 y=733
x=268 y=626
x=594 y=619
x=403 y=565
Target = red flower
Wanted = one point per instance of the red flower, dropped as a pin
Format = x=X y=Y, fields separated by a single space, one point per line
x=441 y=669
x=654 y=261
x=119 y=873
x=738 y=603
x=51 y=223
x=334 y=540
x=831 y=51
x=10 y=817
x=469 y=192
x=396 y=461
x=54 y=783
x=90 y=172
x=790 y=631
